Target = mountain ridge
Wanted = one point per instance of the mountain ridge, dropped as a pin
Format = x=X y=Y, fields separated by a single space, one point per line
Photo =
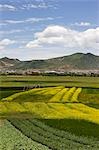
x=78 y=61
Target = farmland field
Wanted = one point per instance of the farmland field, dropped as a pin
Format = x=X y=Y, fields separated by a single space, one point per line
x=21 y=81
x=58 y=113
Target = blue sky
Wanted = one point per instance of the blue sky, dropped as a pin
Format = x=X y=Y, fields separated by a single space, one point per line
x=40 y=29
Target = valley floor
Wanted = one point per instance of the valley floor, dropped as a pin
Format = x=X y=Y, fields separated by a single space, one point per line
x=57 y=117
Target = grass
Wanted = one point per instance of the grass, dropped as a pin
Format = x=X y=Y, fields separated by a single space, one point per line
x=89 y=97
x=6 y=93
x=74 y=126
x=21 y=81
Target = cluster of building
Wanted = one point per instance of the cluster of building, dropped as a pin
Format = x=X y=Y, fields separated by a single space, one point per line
x=72 y=72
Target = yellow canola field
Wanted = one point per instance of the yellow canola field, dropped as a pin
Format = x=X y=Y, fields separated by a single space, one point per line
x=11 y=107
x=56 y=107
x=42 y=110
x=12 y=97
x=42 y=91
x=68 y=94
x=74 y=97
x=51 y=110
x=58 y=96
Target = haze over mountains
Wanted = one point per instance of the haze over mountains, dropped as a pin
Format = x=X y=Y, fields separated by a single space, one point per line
x=77 y=61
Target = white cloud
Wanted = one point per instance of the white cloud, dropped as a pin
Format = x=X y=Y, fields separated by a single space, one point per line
x=28 y=20
x=32 y=20
x=26 y=5
x=2 y=24
x=10 y=31
x=4 y=7
x=82 y=24
x=6 y=42
x=14 y=21
x=35 y=6
x=59 y=36
x=38 y=5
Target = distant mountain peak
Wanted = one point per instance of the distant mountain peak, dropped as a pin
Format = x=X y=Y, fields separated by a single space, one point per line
x=89 y=54
x=78 y=61
x=6 y=58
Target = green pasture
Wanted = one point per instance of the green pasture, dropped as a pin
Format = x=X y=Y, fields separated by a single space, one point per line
x=8 y=92
x=21 y=81
x=74 y=126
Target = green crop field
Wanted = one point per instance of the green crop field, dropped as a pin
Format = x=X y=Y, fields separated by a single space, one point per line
x=57 y=113
x=21 y=81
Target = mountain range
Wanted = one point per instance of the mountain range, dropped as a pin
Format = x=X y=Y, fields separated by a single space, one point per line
x=78 y=61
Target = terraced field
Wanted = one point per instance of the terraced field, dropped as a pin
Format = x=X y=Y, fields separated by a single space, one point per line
x=57 y=118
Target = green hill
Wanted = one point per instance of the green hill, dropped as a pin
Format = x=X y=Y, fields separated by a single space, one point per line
x=75 y=61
